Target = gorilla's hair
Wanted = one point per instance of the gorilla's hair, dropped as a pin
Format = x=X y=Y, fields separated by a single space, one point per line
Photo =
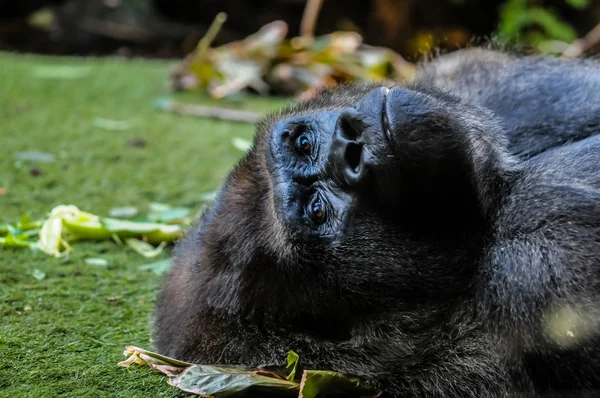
x=440 y=238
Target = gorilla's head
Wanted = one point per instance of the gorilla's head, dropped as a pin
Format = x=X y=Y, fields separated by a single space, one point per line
x=362 y=199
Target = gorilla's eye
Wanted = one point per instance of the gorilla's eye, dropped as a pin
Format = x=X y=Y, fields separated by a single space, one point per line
x=316 y=211
x=303 y=145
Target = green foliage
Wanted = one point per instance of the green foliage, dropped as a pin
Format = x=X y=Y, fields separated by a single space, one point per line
x=226 y=381
x=578 y=3
x=529 y=22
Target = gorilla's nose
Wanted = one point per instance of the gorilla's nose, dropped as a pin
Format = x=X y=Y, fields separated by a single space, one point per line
x=346 y=150
x=356 y=128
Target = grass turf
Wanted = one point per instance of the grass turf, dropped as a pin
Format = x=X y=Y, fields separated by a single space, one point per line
x=63 y=335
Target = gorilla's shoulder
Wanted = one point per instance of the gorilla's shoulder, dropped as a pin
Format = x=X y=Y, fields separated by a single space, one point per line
x=557 y=193
x=542 y=101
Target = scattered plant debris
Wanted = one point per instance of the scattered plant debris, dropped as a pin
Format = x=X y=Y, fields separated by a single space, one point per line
x=35 y=156
x=241 y=144
x=137 y=143
x=112 y=125
x=224 y=381
x=35 y=171
x=123 y=212
x=232 y=115
x=147 y=235
x=157 y=267
x=39 y=275
x=267 y=62
x=96 y=262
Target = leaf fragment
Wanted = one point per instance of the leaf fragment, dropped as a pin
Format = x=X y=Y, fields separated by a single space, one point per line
x=35 y=156
x=39 y=275
x=144 y=248
x=157 y=267
x=266 y=61
x=241 y=144
x=149 y=358
x=68 y=222
x=220 y=382
x=97 y=262
x=225 y=381
x=112 y=125
x=123 y=212
x=292 y=364
x=160 y=212
x=17 y=242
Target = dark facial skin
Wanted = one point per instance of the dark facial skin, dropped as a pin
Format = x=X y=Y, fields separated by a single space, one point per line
x=387 y=232
x=393 y=148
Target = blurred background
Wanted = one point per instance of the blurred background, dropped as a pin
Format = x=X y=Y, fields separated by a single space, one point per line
x=171 y=28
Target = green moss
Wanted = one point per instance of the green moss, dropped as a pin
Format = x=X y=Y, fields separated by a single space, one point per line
x=65 y=333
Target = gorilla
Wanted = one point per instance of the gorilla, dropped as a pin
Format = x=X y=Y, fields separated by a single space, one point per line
x=439 y=238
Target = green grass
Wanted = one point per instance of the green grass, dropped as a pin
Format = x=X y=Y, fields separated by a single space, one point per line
x=61 y=335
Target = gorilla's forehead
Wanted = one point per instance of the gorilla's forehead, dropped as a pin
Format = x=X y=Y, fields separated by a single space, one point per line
x=329 y=99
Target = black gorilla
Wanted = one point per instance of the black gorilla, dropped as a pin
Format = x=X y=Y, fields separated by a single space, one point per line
x=439 y=239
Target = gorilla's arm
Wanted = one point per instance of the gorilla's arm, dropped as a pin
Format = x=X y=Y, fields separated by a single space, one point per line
x=457 y=359
x=544 y=102
x=545 y=233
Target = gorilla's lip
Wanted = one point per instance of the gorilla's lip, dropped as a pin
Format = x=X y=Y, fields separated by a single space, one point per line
x=385 y=121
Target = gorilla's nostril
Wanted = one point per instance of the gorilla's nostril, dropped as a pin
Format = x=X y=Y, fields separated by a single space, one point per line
x=352 y=155
x=349 y=131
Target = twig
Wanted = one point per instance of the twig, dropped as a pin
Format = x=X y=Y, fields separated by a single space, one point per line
x=115 y=30
x=232 y=115
x=211 y=34
x=309 y=18
x=580 y=46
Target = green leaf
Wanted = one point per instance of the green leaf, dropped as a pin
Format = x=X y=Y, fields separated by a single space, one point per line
x=160 y=212
x=39 y=275
x=17 y=242
x=149 y=358
x=157 y=267
x=112 y=125
x=68 y=222
x=97 y=262
x=207 y=380
x=145 y=249
x=123 y=212
x=580 y=4
x=323 y=381
x=209 y=196
x=241 y=144
x=120 y=226
x=552 y=25
x=151 y=232
x=224 y=381
x=221 y=382
x=292 y=364
x=35 y=156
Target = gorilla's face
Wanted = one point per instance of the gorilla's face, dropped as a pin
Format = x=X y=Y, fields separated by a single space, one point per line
x=329 y=166
x=367 y=194
x=323 y=165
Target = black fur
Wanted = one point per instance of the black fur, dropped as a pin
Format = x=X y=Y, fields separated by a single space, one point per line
x=444 y=265
x=542 y=101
